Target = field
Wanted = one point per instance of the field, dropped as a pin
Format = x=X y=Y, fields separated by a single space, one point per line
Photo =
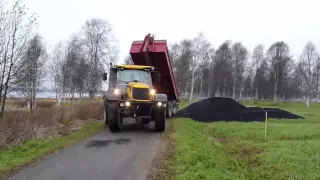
x=237 y=150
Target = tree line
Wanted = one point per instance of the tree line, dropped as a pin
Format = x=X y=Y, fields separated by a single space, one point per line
x=231 y=70
x=75 y=66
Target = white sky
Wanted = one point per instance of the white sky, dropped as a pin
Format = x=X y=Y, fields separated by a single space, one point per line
x=248 y=21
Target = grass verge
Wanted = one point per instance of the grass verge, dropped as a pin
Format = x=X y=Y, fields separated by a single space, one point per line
x=236 y=150
x=14 y=158
x=160 y=165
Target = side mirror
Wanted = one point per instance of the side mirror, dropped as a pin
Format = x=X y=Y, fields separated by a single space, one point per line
x=157 y=78
x=105 y=76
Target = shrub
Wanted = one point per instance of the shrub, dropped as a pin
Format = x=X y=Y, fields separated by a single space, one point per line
x=48 y=120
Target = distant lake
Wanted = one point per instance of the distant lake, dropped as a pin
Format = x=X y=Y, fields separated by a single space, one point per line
x=45 y=95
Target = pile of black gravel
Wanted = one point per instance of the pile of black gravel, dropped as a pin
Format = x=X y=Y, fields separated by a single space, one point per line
x=227 y=109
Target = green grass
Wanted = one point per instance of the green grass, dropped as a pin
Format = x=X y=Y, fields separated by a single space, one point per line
x=183 y=103
x=17 y=157
x=235 y=150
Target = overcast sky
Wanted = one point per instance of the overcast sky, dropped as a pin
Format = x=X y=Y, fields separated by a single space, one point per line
x=248 y=21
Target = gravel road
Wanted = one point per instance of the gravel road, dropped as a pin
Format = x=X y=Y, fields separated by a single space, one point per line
x=121 y=156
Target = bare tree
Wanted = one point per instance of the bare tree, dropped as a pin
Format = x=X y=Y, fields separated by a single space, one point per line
x=222 y=71
x=262 y=79
x=210 y=69
x=298 y=78
x=309 y=58
x=247 y=90
x=98 y=49
x=73 y=58
x=317 y=77
x=257 y=58
x=199 y=51
x=29 y=78
x=128 y=60
x=14 y=35
x=204 y=62
x=57 y=57
x=239 y=58
x=181 y=55
x=278 y=53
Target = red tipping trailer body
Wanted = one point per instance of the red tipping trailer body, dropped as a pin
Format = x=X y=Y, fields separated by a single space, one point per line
x=150 y=52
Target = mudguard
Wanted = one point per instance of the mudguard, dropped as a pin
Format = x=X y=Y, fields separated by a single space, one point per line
x=113 y=97
x=160 y=97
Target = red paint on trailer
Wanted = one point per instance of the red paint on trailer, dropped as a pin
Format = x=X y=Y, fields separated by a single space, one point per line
x=155 y=53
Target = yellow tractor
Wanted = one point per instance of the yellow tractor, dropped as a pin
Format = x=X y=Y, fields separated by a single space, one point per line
x=131 y=94
x=146 y=91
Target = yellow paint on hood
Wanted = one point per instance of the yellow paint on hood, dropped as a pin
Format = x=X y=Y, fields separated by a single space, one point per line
x=138 y=85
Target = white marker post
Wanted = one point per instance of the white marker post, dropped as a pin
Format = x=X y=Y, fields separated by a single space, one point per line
x=265 y=126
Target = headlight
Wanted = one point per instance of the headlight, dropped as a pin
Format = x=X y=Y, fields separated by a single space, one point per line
x=127 y=103
x=116 y=91
x=152 y=91
x=159 y=104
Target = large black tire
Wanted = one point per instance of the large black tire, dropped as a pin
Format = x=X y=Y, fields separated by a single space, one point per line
x=115 y=121
x=174 y=108
x=105 y=116
x=105 y=112
x=160 y=120
x=145 y=121
x=169 y=109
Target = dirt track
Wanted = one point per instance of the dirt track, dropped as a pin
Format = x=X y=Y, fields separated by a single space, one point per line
x=104 y=156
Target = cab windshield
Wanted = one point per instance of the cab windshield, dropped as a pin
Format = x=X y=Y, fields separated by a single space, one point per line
x=129 y=75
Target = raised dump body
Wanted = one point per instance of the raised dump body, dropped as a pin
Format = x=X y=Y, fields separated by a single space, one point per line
x=154 y=53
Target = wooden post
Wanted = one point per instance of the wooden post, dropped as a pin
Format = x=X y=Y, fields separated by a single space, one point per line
x=265 y=126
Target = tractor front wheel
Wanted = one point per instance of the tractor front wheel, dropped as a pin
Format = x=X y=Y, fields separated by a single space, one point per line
x=160 y=120
x=114 y=119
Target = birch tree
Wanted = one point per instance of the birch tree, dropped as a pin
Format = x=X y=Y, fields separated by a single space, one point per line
x=222 y=71
x=257 y=58
x=204 y=62
x=98 y=50
x=181 y=55
x=31 y=74
x=199 y=51
x=298 y=80
x=128 y=60
x=239 y=58
x=16 y=29
x=317 y=77
x=57 y=57
x=278 y=53
x=309 y=58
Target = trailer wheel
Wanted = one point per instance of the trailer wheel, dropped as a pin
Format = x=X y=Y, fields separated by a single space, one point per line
x=160 y=120
x=114 y=119
x=169 y=109
x=174 y=108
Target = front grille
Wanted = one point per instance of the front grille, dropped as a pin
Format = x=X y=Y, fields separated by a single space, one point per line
x=140 y=93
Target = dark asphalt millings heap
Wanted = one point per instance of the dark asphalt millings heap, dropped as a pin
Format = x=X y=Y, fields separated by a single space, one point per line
x=227 y=109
